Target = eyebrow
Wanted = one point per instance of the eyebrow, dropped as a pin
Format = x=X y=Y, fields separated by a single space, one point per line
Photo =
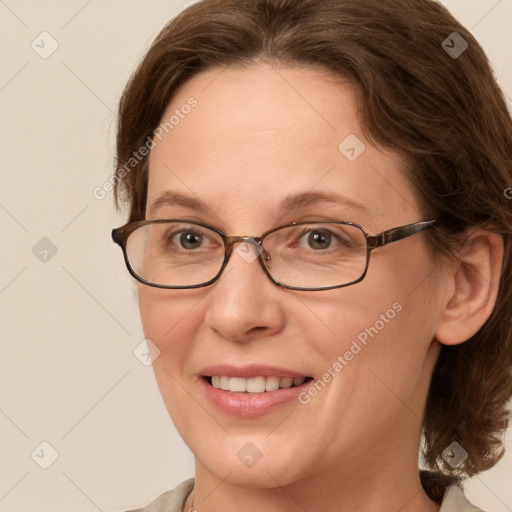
x=172 y=198
x=291 y=202
x=305 y=199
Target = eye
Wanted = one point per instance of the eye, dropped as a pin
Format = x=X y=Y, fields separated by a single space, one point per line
x=318 y=239
x=188 y=240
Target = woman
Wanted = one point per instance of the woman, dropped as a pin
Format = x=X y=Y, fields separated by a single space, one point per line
x=266 y=150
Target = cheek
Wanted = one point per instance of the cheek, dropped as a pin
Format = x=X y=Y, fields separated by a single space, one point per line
x=374 y=368
x=171 y=320
x=167 y=317
x=380 y=330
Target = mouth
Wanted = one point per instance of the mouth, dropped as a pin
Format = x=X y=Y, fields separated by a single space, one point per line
x=254 y=385
x=252 y=390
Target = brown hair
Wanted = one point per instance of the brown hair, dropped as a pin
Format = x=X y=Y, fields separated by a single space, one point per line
x=445 y=114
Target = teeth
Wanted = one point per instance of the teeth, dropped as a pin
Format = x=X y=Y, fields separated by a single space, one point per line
x=237 y=385
x=286 y=383
x=224 y=383
x=255 y=384
x=272 y=383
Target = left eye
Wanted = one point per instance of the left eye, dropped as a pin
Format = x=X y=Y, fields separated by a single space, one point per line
x=316 y=239
x=320 y=239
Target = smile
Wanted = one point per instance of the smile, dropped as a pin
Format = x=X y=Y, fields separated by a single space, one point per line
x=260 y=384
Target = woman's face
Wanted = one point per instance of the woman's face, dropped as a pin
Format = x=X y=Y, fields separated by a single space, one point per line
x=265 y=147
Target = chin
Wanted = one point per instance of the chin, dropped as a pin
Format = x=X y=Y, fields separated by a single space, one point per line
x=249 y=461
x=269 y=475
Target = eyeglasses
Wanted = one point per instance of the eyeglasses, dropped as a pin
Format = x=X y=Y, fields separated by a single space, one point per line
x=308 y=256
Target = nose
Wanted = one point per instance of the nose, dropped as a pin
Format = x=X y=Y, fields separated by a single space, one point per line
x=245 y=303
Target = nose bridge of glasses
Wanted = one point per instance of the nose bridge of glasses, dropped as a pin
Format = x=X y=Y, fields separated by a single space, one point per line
x=249 y=248
x=231 y=241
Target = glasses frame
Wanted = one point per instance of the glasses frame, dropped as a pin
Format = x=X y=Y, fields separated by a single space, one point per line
x=120 y=237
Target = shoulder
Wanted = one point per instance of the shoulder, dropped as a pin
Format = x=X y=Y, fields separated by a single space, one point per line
x=455 y=501
x=170 y=501
x=446 y=489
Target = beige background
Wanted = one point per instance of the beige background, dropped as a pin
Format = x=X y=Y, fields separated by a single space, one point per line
x=69 y=326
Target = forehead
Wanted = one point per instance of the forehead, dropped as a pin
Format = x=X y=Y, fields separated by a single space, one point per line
x=260 y=133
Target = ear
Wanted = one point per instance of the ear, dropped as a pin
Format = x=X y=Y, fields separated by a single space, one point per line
x=475 y=277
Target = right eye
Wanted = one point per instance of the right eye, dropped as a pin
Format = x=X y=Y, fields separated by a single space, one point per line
x=179 y=238
x=187 y=240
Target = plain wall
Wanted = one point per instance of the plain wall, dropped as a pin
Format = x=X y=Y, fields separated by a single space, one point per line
x=69 y=320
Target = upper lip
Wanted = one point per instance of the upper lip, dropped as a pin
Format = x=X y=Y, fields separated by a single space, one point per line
x=249 y=371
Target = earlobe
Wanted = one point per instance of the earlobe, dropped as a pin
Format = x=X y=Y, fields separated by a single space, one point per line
x=474 y=288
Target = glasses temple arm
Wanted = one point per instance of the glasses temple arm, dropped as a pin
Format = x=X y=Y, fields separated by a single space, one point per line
x=395 y=234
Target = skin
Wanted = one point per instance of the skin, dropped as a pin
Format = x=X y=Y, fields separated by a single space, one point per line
x=257 y=135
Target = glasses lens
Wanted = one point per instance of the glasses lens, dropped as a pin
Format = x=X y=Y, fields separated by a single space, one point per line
x=316 y=255
x=175 y=253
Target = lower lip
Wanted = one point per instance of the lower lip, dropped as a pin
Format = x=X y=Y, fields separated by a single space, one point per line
x=249 y=405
